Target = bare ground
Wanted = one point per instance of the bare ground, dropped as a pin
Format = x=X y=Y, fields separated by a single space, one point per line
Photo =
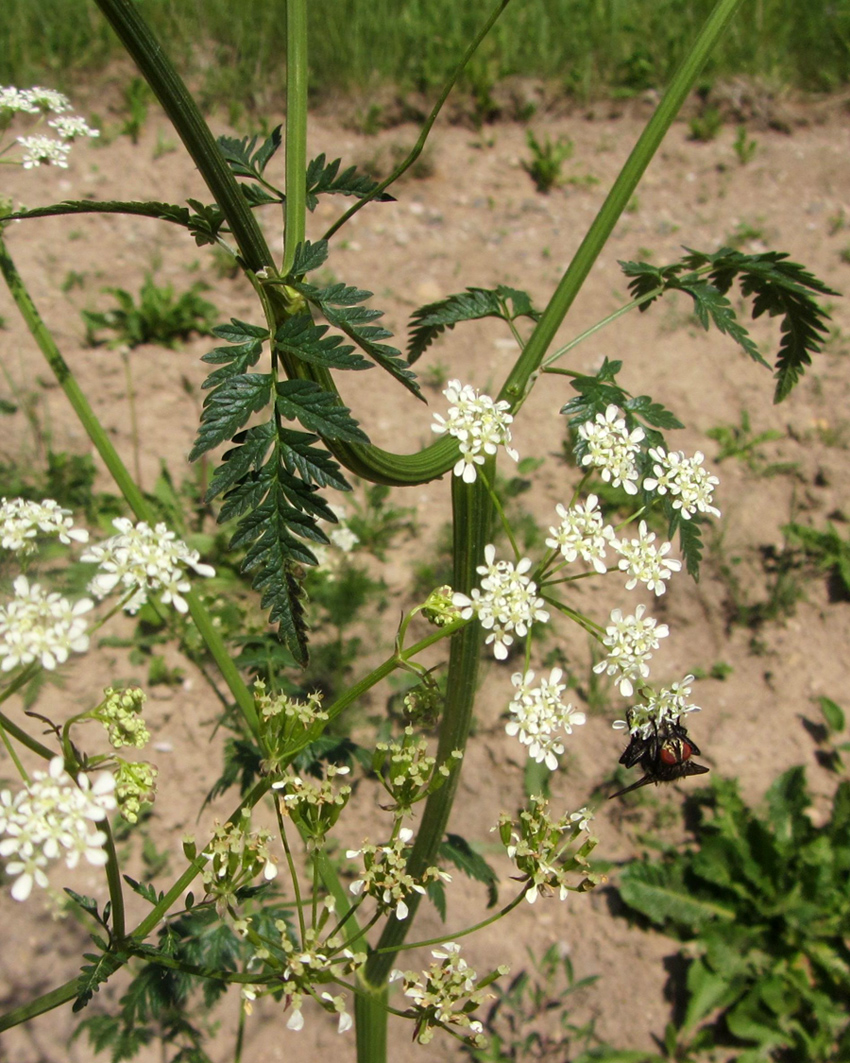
x=476 y=219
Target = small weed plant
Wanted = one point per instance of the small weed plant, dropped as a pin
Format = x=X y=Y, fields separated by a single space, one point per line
x=252 y=564
x=547 y=160
x=760 y=902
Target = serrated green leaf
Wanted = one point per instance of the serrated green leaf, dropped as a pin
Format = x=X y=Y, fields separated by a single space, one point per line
x=312 y=464
x=428 y=322
x=241 y=157
x=707 y=992
x=456 y=850
x=249 y=454
x=88 y=904
x=659 y=893
x=325 y=179
x=299 y=337
x=317 y=410
x=338 y=303
x=436 y=892
x=309 y=257
x=690 y=541
x=228 y=408
x=652 y=413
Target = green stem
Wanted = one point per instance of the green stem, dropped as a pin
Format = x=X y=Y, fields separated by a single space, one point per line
x=113 y=881
x=517 y=385
x=167 y=85
x=18 y=733
x=126 y=485
x=296 y=129
x=472 y=521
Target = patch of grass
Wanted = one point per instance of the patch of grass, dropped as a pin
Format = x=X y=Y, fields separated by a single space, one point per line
x=624 y=48
x=705 y=126
x=743 y=146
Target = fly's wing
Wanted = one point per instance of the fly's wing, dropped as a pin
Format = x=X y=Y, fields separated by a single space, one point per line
x=637 y=748
x=676 y=771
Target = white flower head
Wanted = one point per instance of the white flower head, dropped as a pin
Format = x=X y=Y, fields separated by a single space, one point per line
x=690 y=485
x=630 y=641
x=145 y=559
x=14 y=100
x=665 y=705
x=48 y=100
x=506 y=603
x=582 y=533
x=479 y=424
x=645 y=563
x=71 y=126
x=540 y=718
x=37 y=626
x=53 y=816
x=39 y=149
x=22 y=521
x=611 y=448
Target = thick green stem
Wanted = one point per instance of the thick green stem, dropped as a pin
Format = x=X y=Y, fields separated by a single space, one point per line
x=126 y=485
x=296 y=129
x=472 y=522
x=517 y=385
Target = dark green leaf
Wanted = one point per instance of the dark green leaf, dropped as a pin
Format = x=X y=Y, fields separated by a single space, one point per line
x=241 y=157
x=308 y=257
x=318 y=410
x=429 y=321
x=248 y=455
x=325 y=179
x=228 y=408
x=456 y=850
x=833 y=714
x=298 y=336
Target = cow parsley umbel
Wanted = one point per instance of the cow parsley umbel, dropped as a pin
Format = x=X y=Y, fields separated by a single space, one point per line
x=52 y=817
x=40 y=626
x=540 y=718
x=479 y=424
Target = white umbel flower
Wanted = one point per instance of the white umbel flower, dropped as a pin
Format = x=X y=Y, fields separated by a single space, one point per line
x=645 y=563
x=690 y=485
x=71 y=126
x=540 y=718
x=145 y=559
x=506 y=603
x=582 y=533
x=630 y=641
x=21 y=522
x=479 y=424
x=611 y=448
x=53 y=816
x=39 y=149
x=17 y=101
x=37 y=626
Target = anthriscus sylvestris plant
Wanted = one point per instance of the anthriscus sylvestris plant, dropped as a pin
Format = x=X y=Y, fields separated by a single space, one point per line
x=332 y=937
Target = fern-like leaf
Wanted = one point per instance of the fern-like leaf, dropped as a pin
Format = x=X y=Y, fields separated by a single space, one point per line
x=298 y=336
x=241 y=157
x=325 y=179
x=340 y=305
x=318 y=410
x=429 y=321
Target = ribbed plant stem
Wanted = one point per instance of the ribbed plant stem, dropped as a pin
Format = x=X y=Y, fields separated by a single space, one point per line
x=472 y=517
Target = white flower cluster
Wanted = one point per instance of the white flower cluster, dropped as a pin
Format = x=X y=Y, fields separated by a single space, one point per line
x=667 y=704
x=141 y=559
x=385 y=875
x=542 y=848
x=611 y=448
x=445 y=995
x=21 y=521
x=688 y=482
x=506 y=602
x=645 y=563
x=37 y=626
x=38 y=148
x=582 y=533
x=630 y=641
x=540 y=718
x=52 y=816
x=479 y=424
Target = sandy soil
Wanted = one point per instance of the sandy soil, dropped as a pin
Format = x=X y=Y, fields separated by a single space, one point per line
x=476 y=219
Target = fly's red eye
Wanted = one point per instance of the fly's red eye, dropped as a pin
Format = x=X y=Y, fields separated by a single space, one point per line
x=668 y=755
